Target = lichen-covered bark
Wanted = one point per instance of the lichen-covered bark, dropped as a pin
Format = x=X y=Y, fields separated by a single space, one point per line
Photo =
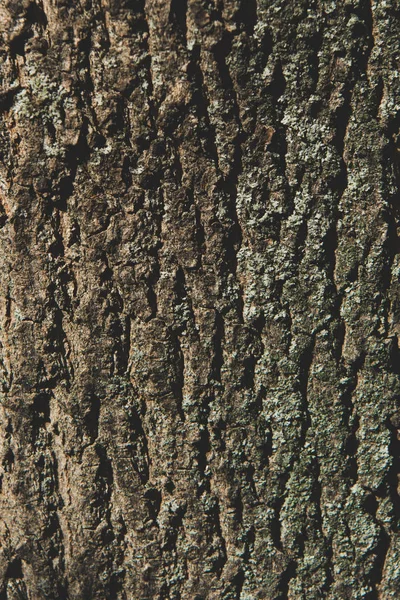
x=199 y=299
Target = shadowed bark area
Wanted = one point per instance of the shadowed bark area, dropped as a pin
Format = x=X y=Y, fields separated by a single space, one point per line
x=199 y=299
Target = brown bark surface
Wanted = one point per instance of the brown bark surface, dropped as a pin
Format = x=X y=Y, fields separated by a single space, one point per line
x=199 y=299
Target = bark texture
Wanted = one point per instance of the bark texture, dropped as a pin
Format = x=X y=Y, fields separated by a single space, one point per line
x=199 y=299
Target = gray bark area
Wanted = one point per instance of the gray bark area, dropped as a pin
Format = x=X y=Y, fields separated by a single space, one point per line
x=199 y=299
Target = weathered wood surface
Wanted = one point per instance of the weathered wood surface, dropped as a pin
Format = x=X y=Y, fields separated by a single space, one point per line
x=199 y=299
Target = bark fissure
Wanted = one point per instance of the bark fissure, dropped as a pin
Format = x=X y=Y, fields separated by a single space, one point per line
x=199 y=300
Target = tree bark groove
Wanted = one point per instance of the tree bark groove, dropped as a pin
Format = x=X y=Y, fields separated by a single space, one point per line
x=199 y=299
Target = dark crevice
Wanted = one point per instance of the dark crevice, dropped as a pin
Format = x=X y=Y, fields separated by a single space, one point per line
x=392 y=478
x=41 y=408
x=138 y=446
x=377 y=96
x=350 y=450
x=174 y=529
x=351 y=419
x=246 y=16
x=65 y=191
x=7 y=98
x=237 y=582
x=200 y=102
x=52 y=528
x=248 y=378
x=104 y=479
x=17 y=44
x=250 y=482
x=203 y=447
x=56 y=338
x=218 y=432
x=92 y=415
x=152 y=301
x=34 y=16
x=199 y=233
x=259 y=323
x=315 y=43
x=277 y=87
x=214 y=518
x=40 y=411
x=14 y=569
x=153 y=497
x=341 y=118
x=79 y=153
x=329 y=566
x=125 y=346
x=137 y=11
x=75 y=235
x=8 y=461
x=381 y=549
x=177 y=17
x=233 y=232
x=338 y=181
x=250 y=539
x=394 y=355
x=264 y=432
x=115 y=585
x=391 y=170
x=151 y=180
x=217 y=345
x=237 y=504
x=316 y=492
x=233 y=236
x=305 y=363
x=334 y=299
x=185 y=316
x=284 y=580
x=178 y=383
x=265 y=47
x=126 y=172
x=362 y=33
x=315 y=108
x=391 y=246
x=116 y=123
x=221 y=51
x=3 y=215
x=315 y=498
x=177 y=166
x=84 y=49
x=338 y=330
x=275 y=524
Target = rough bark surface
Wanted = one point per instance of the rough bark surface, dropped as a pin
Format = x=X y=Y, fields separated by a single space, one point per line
x=200 y=299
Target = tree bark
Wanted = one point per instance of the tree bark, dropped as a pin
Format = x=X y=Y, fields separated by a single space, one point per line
x=199 y=299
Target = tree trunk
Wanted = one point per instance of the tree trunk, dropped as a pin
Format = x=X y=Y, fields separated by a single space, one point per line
x=199 y=299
